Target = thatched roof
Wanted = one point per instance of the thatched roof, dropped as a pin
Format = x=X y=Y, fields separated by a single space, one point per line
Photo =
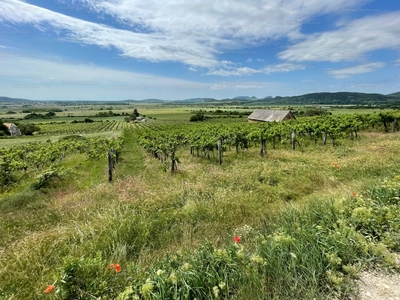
x=265 y=115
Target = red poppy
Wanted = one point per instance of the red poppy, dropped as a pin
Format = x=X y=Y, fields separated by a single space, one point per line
x=354 y=194
x=117 y=268
x=112 y=266
x=236 y=239
x=336 y=165
x=49 y=289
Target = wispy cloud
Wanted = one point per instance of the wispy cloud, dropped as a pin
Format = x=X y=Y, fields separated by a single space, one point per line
x=249 y=60
x=194 y=33
x=351 y=42
x=347 y=72
x=285 y=67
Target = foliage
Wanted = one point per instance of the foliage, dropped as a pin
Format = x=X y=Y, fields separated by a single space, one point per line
x=162 y=142
x=48 y=115
x=47 y=177
x=6 y=176
x=40 y=155
x=302 y=253
x=3 y=129
x=199 y=116
x=28 y=128
x=75 y=127
x=307 y=238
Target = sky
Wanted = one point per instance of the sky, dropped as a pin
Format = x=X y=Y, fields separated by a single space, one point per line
x=173 y=50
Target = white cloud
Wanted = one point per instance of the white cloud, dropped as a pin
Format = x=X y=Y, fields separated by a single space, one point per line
x=234 y=72
x=192 y=33
x=1 y=46
x=243 y=85
x=285 y=67
x=193 y=69
x=249 y=60
x=260 y=60
x=347 y=72
x=396 y=62
x=351 y=42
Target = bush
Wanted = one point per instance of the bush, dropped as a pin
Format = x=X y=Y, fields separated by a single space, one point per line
x=199 y=116
x=3 y=129
x=28 y=129
x=47 y=177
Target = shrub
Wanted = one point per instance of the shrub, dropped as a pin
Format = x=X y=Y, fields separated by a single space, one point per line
x=47 y=177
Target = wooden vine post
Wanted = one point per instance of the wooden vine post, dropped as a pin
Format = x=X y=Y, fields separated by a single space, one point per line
x=174 y=166
x=293 y=140
x=263 y=146
x=219 y=144
x=324 y=137
x=110 y=166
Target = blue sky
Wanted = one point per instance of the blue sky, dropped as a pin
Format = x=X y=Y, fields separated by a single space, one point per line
x=135 y=49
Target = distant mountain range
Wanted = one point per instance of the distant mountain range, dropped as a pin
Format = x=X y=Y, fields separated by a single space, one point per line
x=324 y=98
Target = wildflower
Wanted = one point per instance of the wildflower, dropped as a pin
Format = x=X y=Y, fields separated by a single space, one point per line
x=293 y=255
x=172 y=278
x=147 y=288
x=240 y=253
x=221 y=253
x=117 y=268
x=236 y=239
x=222 y=285
x=160 y=272
x=186 y=267
x=49 y=289
x=216 y=292
x=354 y=194
x=336 y=165
x=257 y=259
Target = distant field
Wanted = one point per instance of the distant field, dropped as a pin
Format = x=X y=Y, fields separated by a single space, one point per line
x=347 y=111
x=158 y=111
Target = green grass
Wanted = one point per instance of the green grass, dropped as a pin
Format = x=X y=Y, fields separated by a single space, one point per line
x=150 y=220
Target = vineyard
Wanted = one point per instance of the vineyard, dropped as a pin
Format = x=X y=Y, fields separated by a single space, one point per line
x=79 y=128
x=297 y=210
x=19 y=160
x=162 y=141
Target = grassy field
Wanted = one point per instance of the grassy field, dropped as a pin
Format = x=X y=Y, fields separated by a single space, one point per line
x=156 y=111
x=304 y=219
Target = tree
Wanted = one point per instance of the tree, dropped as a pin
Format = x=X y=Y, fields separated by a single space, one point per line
x=199 y=116
x=136 y=113
x=3 y=129
x=28 y=129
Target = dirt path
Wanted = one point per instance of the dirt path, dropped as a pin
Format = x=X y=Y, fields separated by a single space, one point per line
x=379 y=286
x=376 y=286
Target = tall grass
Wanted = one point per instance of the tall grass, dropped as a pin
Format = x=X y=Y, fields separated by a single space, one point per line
x=302 y=232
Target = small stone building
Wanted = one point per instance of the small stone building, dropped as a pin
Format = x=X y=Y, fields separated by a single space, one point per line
x=266 y=115
x=13 y=129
